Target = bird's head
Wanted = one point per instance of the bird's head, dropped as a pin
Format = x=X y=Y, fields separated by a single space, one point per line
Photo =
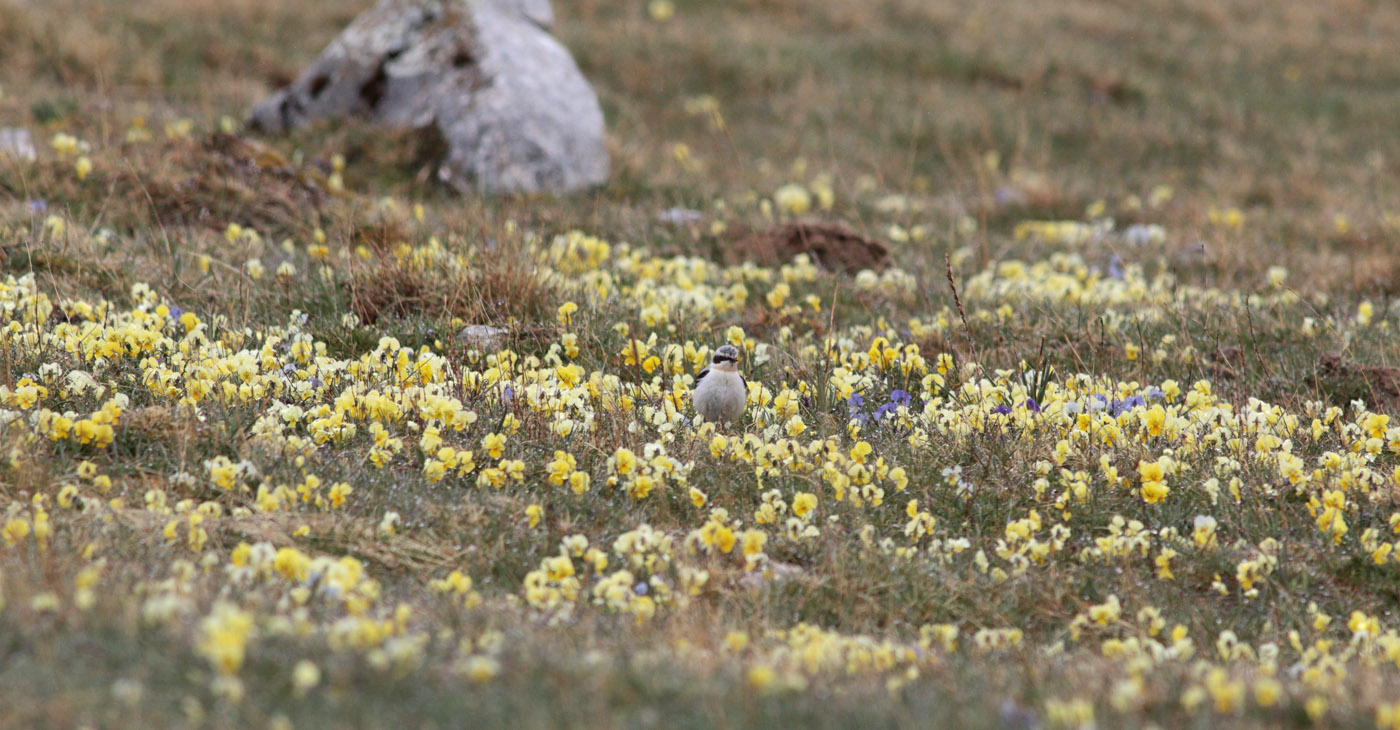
x=726 y=358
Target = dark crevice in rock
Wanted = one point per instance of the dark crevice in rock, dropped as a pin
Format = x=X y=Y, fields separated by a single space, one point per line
x=372 y=90
x=319 y=85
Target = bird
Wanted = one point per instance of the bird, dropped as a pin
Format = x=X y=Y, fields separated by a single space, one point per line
x=720 y=392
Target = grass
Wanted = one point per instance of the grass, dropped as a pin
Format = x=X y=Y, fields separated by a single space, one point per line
x=237 y=404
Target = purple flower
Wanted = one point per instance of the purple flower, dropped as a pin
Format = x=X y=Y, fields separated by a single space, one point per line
x=508 y=395
x=641 y=588
x=1002 y=409
x=1155 y=393
x=1031 y=405
x=856 y=400
x=897 y=398
x=1120 y=407
x=176 y=311
x=1006 y=195
x=1115 y=267
x=38 y=206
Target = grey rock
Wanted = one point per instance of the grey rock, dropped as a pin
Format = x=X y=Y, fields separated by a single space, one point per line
x=679 y=216
x=15 y=142
x=508 y=99
x=482 y=336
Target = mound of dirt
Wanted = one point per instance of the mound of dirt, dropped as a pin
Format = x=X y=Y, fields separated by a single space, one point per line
x=832 y=246
x=227 y=178
x=1344 y=381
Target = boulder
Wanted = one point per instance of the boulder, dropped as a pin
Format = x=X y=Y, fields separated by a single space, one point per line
x=514 y=110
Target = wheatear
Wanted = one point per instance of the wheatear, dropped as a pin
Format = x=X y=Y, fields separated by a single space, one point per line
x=720 y=392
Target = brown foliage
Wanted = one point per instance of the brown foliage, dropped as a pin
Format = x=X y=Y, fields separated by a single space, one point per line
x=224 y=179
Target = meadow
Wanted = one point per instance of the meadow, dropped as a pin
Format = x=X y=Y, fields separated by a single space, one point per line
x=291 y=437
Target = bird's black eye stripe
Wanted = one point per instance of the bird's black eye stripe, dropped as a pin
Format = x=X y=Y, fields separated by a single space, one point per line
x=725 y=358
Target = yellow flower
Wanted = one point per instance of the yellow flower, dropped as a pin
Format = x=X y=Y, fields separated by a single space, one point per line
x=1388 y=716
x=715 y=534
x=1204 y=531
x=562 y=467
x=189 y=321
x=566 y=314
x=224 y=636
x=719 y=443
x=1106 y=612
x=292 y=564
x=754 y=540
x=1155 y=420
x=65 y=144
x=1153 y=473
x=661 y=10
x=760 y=676
x=642 y=486
x=481 y=668
x=624 y=460
x=803 y=504
x=793 y=199
x=736 y=641
x=305 y=675
x=15 y=530
x=338 y=493
x=1364 y=312
x=1154 y=492
x=634 y=352
x=860 y=451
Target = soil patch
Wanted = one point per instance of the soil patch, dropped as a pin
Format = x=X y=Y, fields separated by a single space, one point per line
x=832 y=246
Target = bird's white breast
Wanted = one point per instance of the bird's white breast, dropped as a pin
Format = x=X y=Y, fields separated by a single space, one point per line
x=720 y=396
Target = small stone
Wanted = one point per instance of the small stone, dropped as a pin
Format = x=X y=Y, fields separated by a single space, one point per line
x=680 y=216
x=15 y=142
x=482 y=336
